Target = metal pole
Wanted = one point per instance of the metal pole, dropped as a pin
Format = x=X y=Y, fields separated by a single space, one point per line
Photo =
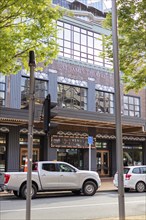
x=119 y=146
x=30 y=133
x=89 y=156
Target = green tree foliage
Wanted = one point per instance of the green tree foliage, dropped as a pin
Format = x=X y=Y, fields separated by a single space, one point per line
x=132 y=42
x=27 y=25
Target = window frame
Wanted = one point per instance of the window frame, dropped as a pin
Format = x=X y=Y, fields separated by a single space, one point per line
x=93 y=41
x=130 y=107
x=70 y=98
x=25 y=88
x=99 y=94
x=2 y=90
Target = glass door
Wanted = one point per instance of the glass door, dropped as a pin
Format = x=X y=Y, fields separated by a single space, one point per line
x=102 y=158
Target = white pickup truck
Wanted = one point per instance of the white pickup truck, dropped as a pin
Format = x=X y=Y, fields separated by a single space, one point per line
x=53 y=176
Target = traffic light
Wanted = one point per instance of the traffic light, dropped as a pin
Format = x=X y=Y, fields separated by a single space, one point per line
x=48 y=114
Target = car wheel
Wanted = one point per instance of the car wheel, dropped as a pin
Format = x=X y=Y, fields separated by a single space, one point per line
x=24 y=191
x=77 y=192
x=140 y=186
x=127 y=189
x=89 y=188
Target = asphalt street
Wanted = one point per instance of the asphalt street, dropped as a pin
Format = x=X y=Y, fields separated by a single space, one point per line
x=66 y=206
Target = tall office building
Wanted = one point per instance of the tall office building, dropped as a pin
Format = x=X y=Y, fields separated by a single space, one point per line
x=96 y=4
x=102 y=5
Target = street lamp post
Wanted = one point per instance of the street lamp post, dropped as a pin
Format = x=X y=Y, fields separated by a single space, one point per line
x=119 y=146
x=30 y=133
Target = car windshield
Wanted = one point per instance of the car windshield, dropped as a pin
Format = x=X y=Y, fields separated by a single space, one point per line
x=126 y=170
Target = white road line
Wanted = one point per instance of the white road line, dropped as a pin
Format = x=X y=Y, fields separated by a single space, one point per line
x=71 y=206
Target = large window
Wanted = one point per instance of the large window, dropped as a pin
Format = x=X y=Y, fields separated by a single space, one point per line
x=104 y=102
x=132 y=155
x=72 y=156
x=2 y=90
x=41 y=90
x=72 y=97
x=131 y=106
x=81 y=44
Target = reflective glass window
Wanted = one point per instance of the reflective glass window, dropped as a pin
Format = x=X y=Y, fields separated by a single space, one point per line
x=104 y=102
x=72 y=97
x=79 y=39
x=2 y=89
x=131 y=106
x=41 y=91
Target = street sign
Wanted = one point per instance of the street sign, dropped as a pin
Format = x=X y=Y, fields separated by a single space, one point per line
x=90 y=140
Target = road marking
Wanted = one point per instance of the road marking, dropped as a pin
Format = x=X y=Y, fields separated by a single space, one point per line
x=69 y=206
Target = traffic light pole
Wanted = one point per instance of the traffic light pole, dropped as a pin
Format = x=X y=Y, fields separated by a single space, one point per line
x=119 y=145
x=30 y=133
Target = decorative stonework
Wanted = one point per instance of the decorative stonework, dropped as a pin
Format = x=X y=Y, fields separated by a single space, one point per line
x=4 y=129
x=113 y=137
x=68 y=133
x=25 y=131
x=38 y=75
x=134 y=138
x=79 y=72
x=76 y=82
x=104 y=88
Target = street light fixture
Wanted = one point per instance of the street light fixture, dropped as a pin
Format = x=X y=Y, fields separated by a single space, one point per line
x=119 y=146
x=30 y=134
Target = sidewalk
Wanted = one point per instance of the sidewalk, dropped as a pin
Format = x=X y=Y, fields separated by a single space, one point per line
x=107 y=184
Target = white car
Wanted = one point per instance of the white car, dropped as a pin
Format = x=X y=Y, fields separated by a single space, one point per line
x=134 y=178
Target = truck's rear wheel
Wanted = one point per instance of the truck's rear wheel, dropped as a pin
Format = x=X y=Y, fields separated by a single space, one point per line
x=23 y=191
x=89 y=188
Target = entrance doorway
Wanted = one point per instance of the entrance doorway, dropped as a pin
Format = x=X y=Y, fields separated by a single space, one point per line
x=102 y=158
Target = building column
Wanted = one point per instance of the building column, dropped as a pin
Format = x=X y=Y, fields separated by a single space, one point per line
x=113 y=159
x=13 y=149
x=91 y=95
x=13 y=95
x=52 y=85
x=144 y=152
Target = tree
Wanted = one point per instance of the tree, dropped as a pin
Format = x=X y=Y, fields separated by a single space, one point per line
x=132 y=42
x=27 y=25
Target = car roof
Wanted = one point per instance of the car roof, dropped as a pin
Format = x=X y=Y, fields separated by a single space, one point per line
x=50 y=161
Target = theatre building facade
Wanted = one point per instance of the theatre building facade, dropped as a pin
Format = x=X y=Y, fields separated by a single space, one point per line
x=81 y=82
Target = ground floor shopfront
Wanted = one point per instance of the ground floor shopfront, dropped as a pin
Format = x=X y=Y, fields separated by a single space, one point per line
x=69 y=146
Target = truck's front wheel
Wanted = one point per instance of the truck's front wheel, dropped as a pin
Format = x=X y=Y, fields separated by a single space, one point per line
x=89 y=188
x=23 y=191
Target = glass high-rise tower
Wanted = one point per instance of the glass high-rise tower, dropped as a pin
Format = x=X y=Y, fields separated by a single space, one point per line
x=98 y=4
